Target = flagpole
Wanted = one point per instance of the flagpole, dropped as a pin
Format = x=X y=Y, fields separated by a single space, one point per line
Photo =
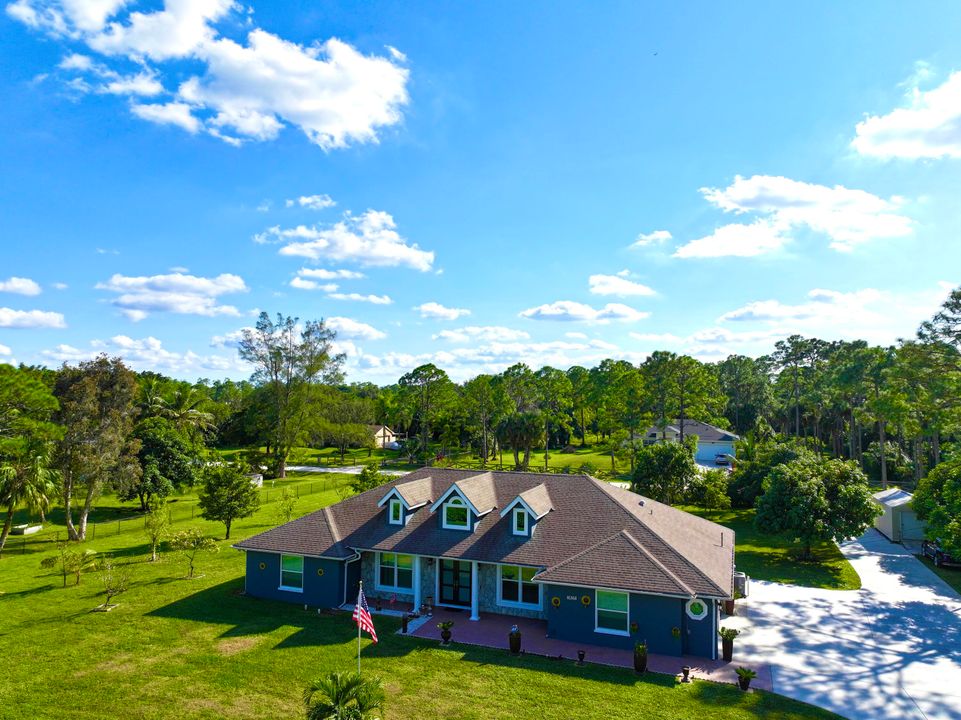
x=358 y=630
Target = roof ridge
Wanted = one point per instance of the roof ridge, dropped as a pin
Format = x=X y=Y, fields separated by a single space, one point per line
x=658 y=563
x=332 y=525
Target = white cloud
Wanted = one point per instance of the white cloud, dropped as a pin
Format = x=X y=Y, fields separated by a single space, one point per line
x=246 y=90
x=101 y=79
x=576 y=335
x=482 y=333
x=617 y=285
x=302 y=283
x=652 y=238
x=349 y=329
x=396 y=54
x=60 y=286
x=5 y=351
x=370 y=240
x=666 y=338
x=312 y=202
x=358 y=297
x=171 y=113
x=20 y=286
x=30 y=319
x=231 y=339
x=148 y=354
x=176 y=293
x=570 y=311
x=928 y=127
x=264 y=206
x=438 y=311
x=325 y=274
x=847 y=217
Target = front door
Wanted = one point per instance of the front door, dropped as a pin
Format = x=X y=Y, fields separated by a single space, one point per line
x=455 y=583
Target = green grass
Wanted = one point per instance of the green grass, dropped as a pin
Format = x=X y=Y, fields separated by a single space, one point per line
x=177 y=648
x=951 y=575
x=772 y=557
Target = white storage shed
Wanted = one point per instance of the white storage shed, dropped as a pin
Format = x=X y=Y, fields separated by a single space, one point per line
x=899 y=521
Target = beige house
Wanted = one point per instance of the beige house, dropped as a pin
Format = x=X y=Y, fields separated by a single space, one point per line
x=383 y=435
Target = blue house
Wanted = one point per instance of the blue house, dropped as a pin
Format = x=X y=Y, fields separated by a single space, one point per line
x=712 y=442
x=597 y=564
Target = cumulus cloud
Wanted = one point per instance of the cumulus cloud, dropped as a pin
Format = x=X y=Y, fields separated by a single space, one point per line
x=570 y=311
x=847 y=217
x=178 y=293
x=243 y=91
x=653 y=238
x=312 y=202
x=20 y=286
x=147 y=354
x=440 y=312
x=928 y=126
x=617 y=285
x=358 y=297
x=371 y=240
x=10 y=318
x=350 y=329
x=5 y=351
x=482 y=333
x=306 y=284
x=325 y=274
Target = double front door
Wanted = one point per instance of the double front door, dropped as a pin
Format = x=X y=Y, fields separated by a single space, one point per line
x=455 y=583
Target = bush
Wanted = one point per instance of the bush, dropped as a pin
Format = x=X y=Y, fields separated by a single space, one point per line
x=747 y=481
x=709 y=490
x=663 y=471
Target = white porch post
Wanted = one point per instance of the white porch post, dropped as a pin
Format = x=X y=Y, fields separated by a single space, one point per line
x=474 y=592
x=417 y=600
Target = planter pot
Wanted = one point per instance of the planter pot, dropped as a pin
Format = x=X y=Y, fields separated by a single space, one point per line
x=727 y=650
x=728 y=607
x=640 y=662
x=686 y=674
x=404 y=622
x=445 y=636
x=515 y=643
x=744 y=683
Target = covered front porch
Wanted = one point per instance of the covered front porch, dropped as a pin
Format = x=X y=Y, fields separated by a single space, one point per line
x=491 y=630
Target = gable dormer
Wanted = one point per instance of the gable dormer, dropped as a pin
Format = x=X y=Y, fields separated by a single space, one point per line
x=403 y=499
x=527 y=509
x=466 y=502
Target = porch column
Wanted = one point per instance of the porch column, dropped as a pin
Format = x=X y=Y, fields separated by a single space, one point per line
x=474 y=592
x=417 y=600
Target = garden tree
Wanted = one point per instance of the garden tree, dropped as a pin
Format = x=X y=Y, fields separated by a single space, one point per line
x=521 y=431
x=227 y=495
x=484 y=404
x=344 y=696
x=848 y=369
x=115 y=580
x=811 y=499
x=368 y=479
x=616 y=446
x=97 y=411
x=26 y=480
x=156 y=525
x=184 y=407
x=345 y=423
x=190 y=543
x=580 y=397
x=788 y=360
x=659 y=371
x=427 y=390
x=747 y=390
x=289 y=361
x=664 y=470
x=168 y=462
x=287 y=505
x=755 y=461
x=883 y=404
x=605 y=402
x=694 y=392
x=632 y=406
x=937 y=501
x=709 y=490
x=74 y=561
x=554 y=402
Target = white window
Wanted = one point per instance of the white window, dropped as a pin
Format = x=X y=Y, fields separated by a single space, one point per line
x=292 y=573
x=611 y=612
x=520 y=521
x=456 y=515
x=395 y=572
x=516 y=586
x=396 y=510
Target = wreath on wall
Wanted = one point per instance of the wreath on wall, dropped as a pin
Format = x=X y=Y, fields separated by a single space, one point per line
x=696 y=609
x=586 y=600
x=263 y=566
x=556 y=601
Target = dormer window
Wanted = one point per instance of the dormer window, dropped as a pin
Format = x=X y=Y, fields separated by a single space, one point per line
x=456 y=515
x=520 y=521
x=396 y=512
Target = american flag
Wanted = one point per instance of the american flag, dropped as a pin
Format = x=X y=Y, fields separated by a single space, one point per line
x=362 y=616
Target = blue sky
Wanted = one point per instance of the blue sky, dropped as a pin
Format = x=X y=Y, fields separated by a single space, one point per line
x=472 y=185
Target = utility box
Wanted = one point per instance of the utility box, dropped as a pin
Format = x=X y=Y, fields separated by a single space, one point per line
x=742 y=584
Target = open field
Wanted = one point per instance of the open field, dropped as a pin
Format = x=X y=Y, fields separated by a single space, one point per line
x=177 y=648
x=951 y=575
x=770 y=557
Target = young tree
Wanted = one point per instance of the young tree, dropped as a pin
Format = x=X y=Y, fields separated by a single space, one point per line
x=156 y=525
x=191 y=543
x=97 y=411
x=289 y=362
x=287 y=505
x=75 y=562
x=227 y=495
x=812 y=499
x=344 y=696
x=663 y=471
x=368 y=478
x=708 y=490
x=115 y=579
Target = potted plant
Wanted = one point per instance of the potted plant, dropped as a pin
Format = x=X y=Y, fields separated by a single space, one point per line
x=514 y=638
x=444 y=628
x=744 y=677
x=640 y=657
x=729 y=608
x=676 y=633
x=686 y=674
x=727 y=642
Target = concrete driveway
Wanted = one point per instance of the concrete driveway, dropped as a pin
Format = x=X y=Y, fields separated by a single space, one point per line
x=891 y=650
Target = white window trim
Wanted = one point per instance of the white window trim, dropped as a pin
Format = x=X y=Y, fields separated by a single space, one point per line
x=289 y=588
x=609 y=631
x=395 y=503
x=527 y=519
x=517 y=604
x=456 y=502
x=395 y=588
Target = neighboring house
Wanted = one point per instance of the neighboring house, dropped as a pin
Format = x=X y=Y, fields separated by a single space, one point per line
x=898 y=521
x=598 y=564
x=383 y=435
x=711 y=441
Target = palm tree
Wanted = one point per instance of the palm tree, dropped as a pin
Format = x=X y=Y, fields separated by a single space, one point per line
x=183 y=409
x=27 y=480
x=344 y=696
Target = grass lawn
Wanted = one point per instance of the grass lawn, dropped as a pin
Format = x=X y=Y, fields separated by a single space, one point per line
x=177 y=648
x=767 y=557
x=951 y=575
